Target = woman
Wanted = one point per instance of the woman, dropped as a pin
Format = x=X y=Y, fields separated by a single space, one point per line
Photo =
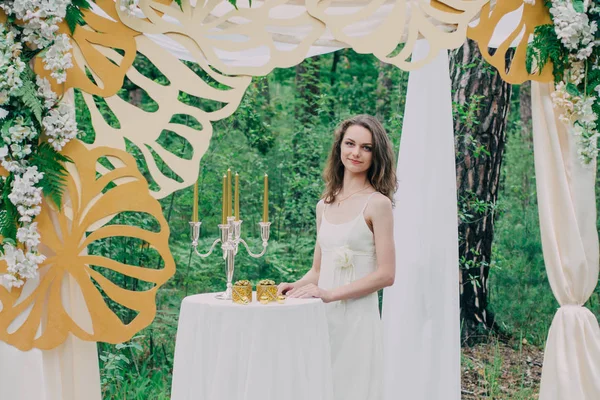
x=354 y=255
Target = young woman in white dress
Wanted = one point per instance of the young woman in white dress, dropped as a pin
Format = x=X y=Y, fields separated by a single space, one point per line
x=354 y=255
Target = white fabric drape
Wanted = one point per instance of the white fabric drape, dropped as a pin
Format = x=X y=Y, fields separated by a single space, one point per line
x=225 y=351
x=421 y=310
x=567 y=209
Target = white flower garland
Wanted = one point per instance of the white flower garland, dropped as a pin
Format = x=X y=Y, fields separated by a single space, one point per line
x=41 y=19
x=576 y=32
x=39 y=31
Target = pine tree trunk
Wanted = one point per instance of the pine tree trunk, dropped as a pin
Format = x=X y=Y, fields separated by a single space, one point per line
x=306 y=154
x=526 y=133
x=307 y=89
x=525 y=112
x=384 y=87
x=481 y=102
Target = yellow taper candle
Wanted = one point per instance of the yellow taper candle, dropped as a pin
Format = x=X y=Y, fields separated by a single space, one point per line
x=229 y=196
x=224 y=206
x=195 y=207
x=237 y=197
x=266 y=200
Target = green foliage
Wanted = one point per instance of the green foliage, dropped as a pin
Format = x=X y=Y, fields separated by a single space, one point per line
x=28 y=95
x=74 y=14
x=546 y=47
x=8 y=212
x=256 y=114
x=51 y=163
x=578 y=6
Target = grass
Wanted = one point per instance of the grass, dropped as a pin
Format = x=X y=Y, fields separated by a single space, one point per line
x=499 y=370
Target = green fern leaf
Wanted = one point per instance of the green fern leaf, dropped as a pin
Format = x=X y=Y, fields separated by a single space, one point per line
x=8 y=215
x=51 y=163
x=29 y=97
x=74 y=14
x=74 y=17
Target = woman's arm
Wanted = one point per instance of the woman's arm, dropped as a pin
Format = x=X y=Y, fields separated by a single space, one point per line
x=380 y=213
x=312 y=276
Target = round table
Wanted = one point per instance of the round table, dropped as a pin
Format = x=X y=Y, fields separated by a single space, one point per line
x=228 y=351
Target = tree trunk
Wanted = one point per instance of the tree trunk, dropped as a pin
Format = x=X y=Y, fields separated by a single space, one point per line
x=384 y=87
x=526 y=133
x=135 y=96
x=481 y=101
x=306 y=151
x=307 y=89
x=332 y=75
x=525 y=111
x=334 y=63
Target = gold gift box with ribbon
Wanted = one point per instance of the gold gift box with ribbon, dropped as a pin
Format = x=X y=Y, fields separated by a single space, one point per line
x=242 y=292
x=267 y=288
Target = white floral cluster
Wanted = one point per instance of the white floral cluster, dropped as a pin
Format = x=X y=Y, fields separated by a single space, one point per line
x=573 y=28
x=17 y=139
x=25 y=195
x=576 y=32
x=60 y=125
x=11 y=65
x=129 y=6
x=41 y=19
x=39 y=30
x=577 y=114
x=21 y=264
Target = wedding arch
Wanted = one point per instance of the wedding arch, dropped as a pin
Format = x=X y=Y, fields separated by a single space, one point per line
x=50 y=306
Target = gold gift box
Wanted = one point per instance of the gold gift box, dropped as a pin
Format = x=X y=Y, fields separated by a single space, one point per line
x=267 y=288
x=241 y=292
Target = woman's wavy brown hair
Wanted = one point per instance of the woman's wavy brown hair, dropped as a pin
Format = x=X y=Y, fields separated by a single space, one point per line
x=381 y=174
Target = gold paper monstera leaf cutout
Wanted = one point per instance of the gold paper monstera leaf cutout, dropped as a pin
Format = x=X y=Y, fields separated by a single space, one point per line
x=35 y=315
x=390 y=29
x=100 y=31
x=279 y=33
x=531 y=17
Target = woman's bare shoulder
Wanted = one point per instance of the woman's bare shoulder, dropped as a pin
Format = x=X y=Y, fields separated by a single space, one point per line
x=320 y=205
x=380 y=204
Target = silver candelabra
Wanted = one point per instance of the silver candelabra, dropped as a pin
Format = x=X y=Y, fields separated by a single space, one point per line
x=230 y=240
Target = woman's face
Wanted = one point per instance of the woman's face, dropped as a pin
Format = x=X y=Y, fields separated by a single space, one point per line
x=356 y=149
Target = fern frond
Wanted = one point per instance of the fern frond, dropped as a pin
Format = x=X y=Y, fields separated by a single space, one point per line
x=546 y=47
x=74 y=14
x=8 y=215
x=29 y=97
x=51 y=163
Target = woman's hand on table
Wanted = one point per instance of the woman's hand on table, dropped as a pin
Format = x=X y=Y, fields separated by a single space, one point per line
x=285 y=288
x=311 y=291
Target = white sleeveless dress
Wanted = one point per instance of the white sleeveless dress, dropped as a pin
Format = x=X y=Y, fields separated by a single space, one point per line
x=355 y=334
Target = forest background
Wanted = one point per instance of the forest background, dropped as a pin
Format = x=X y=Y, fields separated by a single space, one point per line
x=284 y=127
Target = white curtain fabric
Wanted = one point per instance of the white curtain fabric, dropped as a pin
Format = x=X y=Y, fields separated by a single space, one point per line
x=421 y=310
x=225 y=351
x=567 y=209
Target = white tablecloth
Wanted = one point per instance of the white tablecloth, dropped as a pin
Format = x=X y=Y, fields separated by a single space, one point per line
x=227 y=351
